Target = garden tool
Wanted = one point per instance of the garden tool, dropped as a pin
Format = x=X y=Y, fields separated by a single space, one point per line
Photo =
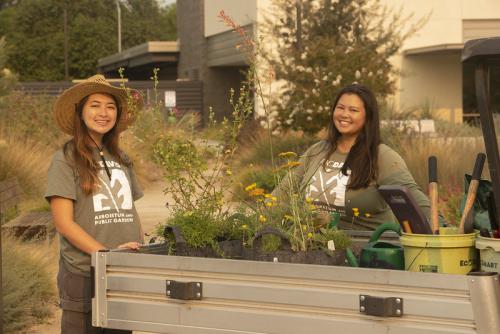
x=405 y=208
x=495 y=231
x=469 y=222
x=472 y=191
x=433 y=194
x=380 y=254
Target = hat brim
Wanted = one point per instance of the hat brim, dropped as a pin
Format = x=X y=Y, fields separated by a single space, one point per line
x=64 y=106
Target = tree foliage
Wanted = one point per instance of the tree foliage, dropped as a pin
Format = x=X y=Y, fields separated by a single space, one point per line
x=35 y=33
x=7 y=78
x=335 y=43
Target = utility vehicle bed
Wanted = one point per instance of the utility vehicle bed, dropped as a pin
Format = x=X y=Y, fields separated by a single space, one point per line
x=148 y=292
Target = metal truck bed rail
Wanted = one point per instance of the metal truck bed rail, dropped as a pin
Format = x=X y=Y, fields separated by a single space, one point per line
x=235 y=296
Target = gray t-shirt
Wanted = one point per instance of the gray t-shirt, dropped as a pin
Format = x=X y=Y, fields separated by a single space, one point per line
x=108 y=215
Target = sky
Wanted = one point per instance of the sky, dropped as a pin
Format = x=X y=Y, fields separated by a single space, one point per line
x=166 y=2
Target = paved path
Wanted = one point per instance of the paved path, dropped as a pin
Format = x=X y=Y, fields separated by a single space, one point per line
x=152 y=208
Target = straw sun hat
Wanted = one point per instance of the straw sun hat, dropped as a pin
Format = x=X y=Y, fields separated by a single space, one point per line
x=65 y=105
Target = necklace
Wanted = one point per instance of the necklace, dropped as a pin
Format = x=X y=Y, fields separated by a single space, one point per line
x=101 y=154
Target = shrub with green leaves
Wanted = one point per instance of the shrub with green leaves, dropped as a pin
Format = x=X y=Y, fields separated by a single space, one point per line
x=7 y=79
x=340 y=239
x=189 y=222
x=198 y=174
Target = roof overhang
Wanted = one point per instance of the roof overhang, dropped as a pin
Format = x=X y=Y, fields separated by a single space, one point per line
x=439 y=49
x=142 y=54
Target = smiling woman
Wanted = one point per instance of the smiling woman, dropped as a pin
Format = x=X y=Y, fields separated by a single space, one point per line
x=91 y=189
x=342 y=173
x=99 y=115
x=349 y=118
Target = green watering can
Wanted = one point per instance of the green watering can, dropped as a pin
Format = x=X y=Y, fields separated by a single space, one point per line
x=382 y=255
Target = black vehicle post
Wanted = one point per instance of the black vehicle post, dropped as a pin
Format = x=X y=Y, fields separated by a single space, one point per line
x=484 y=53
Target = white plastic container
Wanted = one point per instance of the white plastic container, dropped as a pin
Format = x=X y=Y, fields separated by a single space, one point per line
x=489 y=249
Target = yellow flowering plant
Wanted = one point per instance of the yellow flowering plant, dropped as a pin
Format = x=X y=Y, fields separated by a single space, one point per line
x=286 y=208
x=199 y=177
x=294 y=214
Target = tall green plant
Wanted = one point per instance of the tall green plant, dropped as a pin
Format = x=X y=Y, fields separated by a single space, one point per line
x=324 y=45
x=287 y=209
x=197 y=173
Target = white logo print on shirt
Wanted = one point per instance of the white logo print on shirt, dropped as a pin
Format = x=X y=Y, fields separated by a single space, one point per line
x=334 y=187
x=104 y=200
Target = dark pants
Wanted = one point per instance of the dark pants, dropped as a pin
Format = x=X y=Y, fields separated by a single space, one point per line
x=76 y=304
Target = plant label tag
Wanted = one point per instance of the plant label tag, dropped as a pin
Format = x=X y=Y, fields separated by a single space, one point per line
x=331 y=245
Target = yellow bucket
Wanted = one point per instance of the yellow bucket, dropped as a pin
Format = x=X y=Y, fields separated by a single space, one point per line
x=448 y=254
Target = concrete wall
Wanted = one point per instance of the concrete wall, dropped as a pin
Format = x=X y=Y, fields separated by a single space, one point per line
x=433 y=81
x=444 y=25
x=437 y=78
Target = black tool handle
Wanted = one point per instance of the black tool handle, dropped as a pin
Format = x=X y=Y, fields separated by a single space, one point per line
x=478 y=166
x=484 y=233
x=492 y=211
x=433 y=169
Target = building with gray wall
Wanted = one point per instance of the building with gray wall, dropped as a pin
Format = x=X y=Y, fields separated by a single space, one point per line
x=214 y=59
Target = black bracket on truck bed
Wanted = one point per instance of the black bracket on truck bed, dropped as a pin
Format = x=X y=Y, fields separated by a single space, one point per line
x=381 y=306
x=184 y=290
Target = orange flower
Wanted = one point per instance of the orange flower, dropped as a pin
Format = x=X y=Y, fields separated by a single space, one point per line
x=291 y=164
x=256 y=192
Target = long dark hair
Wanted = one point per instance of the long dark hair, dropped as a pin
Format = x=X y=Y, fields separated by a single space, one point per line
x=362 y=159
x=80 y=148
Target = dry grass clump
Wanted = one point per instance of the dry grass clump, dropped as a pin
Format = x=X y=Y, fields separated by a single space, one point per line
x=29 y=116
x=29 y=288
x=455 y=155
x=28 y=139
x=28 y=161
x=257 y=150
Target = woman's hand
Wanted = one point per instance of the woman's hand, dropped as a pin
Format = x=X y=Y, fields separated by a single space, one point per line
x=130 y=245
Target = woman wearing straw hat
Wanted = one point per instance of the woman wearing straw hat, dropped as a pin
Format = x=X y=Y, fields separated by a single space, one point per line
x=91 y=189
